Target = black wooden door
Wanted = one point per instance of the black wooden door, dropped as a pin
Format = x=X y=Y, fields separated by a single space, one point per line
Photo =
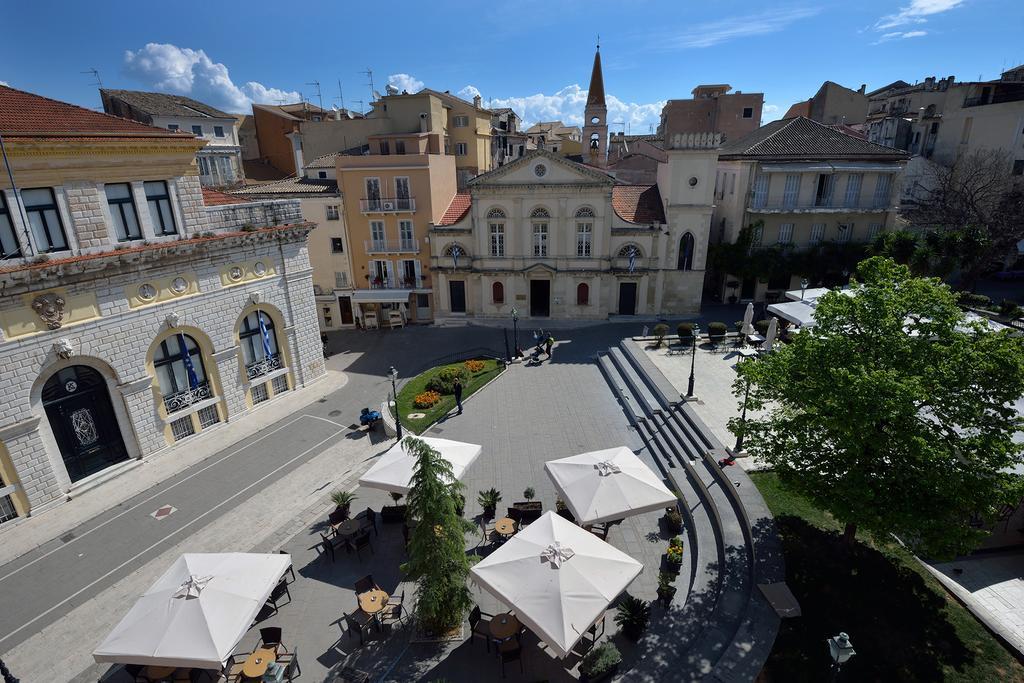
x=627 y=298
x=457 y=292
x=540 y=298
x=345 y=304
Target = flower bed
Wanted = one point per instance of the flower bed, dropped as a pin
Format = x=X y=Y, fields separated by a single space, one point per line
x=475 y=366
x=426 y=400
x=427 y=382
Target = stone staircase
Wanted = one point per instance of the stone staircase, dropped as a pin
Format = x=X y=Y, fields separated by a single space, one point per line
x=720 y=626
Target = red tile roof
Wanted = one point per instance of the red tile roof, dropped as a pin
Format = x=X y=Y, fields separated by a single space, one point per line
x=638 y=203
x=23 y=114
x=215 y=198
x=457 y=210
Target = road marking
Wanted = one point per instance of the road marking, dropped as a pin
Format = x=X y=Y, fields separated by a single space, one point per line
x=151 y=498
x=165 y=538
x=336 y=424
x=163 y=512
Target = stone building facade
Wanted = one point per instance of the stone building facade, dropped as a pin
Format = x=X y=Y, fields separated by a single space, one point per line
x=109 y=287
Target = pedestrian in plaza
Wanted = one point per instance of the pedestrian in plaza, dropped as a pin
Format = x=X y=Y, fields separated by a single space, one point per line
x=548 y=345
x=458 y=394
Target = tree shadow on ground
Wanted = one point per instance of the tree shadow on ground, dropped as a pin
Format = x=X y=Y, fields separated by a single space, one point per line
x=898 y=625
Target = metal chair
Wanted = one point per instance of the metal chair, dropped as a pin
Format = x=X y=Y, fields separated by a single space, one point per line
x=488 y=533
x=368 y=520
x=331 y=544
x=291 y=570
x=480 y=626
x=510 y=651
x=359 y=542
x=232 y=672
x=270 y=637
x=280 y=590
x=393 y=612
x=290 y=660
x=359 y=622
x=365 y=584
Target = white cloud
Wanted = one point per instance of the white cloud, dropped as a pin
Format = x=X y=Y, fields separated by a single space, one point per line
x=770 y=109
x=915 y=13
x=5 y=83
x=713 y=33
x=566 y=105
x=468 y=93
x=405 y=83
x=184 y=71
x=899 y=35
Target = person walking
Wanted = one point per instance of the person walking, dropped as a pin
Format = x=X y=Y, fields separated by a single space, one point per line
x=458 y=394
x=548 y=345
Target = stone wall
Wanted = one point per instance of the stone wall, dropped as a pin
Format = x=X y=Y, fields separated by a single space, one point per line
x=259 y=214
x=86 y=209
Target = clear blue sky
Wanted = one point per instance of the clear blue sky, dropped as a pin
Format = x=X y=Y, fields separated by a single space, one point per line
x=532 y=55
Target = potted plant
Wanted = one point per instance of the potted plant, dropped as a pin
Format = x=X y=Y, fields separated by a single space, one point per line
x=601 y=663
x=762 y=327
x=563 y=510
x=717 y=331
x=666 y=591
x=674 y=555
x=390 y=514
x=529 y=494
x=660 y=330
x=685 y=332
x=632 y=616
x=489 y=500
x=732 y=285
x=342 y=501
x=673 y=520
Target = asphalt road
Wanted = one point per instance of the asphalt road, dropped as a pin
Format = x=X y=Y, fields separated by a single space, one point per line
x=41 y=586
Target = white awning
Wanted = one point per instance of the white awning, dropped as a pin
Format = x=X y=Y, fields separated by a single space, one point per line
x=807 y=294
x=796 y=312
x=393 y=471
x=381 y=296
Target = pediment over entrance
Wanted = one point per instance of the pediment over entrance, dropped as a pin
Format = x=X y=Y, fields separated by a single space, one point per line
x=541 y=167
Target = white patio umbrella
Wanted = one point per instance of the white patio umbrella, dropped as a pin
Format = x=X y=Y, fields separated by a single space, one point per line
x=195 y=615
x=559 y=578
x=605 y=485
x=748 y=317
x=393 y=472
x=769 y=337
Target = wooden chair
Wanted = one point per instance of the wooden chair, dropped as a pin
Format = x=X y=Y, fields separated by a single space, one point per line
x=365 y=584
x=290 y=661
x=270 y=637
x=480 y=626
x=359 y=542
x=360 y=622
x=368 y=520
x=510 y=651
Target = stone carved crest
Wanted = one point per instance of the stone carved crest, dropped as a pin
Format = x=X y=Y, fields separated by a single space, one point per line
x=50 y=309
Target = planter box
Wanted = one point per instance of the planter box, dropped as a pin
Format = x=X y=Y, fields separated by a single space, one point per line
x=605 y=676
x=391 y=514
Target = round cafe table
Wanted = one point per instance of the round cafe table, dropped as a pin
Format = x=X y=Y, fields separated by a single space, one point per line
x=506 y=526
x=257 y=663
x=347 y=528
x=504 y=626
x=159 y=673
x=373 y=601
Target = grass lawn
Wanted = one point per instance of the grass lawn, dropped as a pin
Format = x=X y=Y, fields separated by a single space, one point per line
x=418 y=385
x=902 y=623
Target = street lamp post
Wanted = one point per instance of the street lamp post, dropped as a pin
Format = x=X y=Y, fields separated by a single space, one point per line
x=515 y=330
x=393 y=374
x=743 y=419
x=803 y=287
x=693 y=361
x=840 y=649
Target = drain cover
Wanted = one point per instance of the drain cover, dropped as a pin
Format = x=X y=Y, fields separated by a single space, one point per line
x=334 y=413
x=67 y=538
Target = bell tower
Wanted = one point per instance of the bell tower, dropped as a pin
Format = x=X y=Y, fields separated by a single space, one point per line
x=595 y=118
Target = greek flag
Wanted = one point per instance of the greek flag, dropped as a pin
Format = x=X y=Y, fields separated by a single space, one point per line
x=186 y=359
x=456 y=253
x=266 y=336
x=632 y=259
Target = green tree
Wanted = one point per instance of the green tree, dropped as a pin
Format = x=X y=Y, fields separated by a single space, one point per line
x=437 y=553
x=893 y=412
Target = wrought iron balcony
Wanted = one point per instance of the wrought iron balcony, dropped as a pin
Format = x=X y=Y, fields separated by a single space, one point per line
x=422 y=282
x=392 y=246
x=264 y=367
x=782 y=205
x=387 y=205
x=189 y=397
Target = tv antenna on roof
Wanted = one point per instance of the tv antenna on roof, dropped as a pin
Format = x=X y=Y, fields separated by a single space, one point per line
x=369 y=76
x=360 y=103
x=341 y=95
x=319 y=97
x=95 y=74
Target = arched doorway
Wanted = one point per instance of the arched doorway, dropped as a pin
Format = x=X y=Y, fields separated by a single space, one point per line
x=82 y=418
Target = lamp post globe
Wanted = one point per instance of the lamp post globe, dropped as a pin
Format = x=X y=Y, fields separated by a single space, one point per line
x=393 y=374
x=693 y=361
x=840 y=649
x=803 y=287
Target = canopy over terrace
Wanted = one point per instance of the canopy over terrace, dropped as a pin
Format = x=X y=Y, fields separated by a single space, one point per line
x=393 y=472
x=606 y=485
x=196 y=613
x=559 y=579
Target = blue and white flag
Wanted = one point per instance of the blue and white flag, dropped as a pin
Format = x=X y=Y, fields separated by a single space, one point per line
x=266 y=336
x=632 y=258
x=456 y=253
x=186 y=359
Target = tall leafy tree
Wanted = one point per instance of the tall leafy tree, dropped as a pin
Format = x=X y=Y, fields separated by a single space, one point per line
x=893 y=412
x=437 y=553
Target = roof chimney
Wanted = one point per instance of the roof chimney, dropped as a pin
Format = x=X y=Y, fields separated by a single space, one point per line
x=863 y=88
x=477 y=100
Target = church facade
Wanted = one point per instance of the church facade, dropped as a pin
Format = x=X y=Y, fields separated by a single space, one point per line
x=552 y=238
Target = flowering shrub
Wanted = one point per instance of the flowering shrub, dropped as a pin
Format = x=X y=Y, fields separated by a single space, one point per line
x=674 y=555
x=444 y=381
x=474 y=365
x=426 y=400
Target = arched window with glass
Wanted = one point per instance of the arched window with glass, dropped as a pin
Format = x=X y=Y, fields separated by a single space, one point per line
x=181 y=372
x=539 y=217
x=496 y=230
x=259 y=345
x=582 y=294
x=498 y=293
x=584 y=232
x=685 y=261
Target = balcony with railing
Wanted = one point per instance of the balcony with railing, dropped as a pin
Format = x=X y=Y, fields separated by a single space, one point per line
x=406 y=246
x=264 y=367
x=387 y=205
x=188 y=397
x=818 y=204
x=421 y=282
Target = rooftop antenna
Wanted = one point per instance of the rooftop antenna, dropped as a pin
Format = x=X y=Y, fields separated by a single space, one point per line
x=95 y=74
x=369 y=75
x=599 y=42
x=319 y=97
x=620 y=123
x=360 y=103
x=341 y=95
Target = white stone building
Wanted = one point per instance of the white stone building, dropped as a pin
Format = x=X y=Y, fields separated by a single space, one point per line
x=132 y=314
